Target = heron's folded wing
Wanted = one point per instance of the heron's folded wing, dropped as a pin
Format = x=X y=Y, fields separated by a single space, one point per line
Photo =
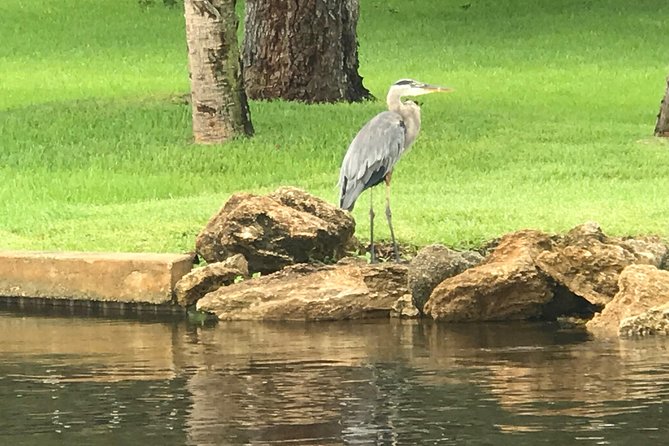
x=372 y=154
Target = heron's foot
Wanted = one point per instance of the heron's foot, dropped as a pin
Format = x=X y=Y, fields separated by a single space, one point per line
x=385 y=252
x=396 y=250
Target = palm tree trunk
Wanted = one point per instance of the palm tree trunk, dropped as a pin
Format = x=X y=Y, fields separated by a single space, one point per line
x=220 y=108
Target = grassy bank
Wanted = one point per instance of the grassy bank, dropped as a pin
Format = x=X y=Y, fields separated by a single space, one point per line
x=549 y=126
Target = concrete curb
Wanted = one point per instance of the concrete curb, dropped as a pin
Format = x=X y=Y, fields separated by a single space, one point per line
x=138 y=278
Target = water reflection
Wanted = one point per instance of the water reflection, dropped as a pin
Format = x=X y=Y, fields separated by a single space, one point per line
x=380 y=382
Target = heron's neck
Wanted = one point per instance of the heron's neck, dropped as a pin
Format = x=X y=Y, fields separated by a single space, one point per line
x=410 y=115
x=394 y=101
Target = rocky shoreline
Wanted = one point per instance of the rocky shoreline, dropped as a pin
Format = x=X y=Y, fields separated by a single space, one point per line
x=284 y=257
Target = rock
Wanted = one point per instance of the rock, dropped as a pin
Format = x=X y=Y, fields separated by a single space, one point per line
x=647 y=250
x=404 y=308
x=652 y=322
x=506 y=286
x=310 y=292
x=641 y=287
x=211 y=277
x=301 y=201
x=239 y=263
x=588 y=263
x=286 y=227
x=491 y=292
x=432 y=265
x=589 y=229
x=526 y=244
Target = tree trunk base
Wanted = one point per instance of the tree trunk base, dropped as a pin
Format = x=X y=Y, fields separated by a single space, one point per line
x=662 y=125
x=304 y=50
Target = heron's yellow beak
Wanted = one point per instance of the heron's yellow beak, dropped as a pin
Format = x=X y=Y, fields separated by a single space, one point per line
x=437 y=89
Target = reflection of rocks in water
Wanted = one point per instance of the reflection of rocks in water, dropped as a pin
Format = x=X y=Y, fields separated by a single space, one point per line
x=361 y=382
x=358 y=383
x=335 y=384
x=535 y=370
x=351 y=381
x=111 y=349
x=272 y=383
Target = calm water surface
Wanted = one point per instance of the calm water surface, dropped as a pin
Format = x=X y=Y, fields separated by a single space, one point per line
x=70 y=380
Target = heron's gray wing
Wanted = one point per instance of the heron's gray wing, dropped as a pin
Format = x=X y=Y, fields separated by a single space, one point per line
x=372 y=154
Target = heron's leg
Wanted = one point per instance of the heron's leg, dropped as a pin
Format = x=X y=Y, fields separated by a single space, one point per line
x=389 y=217
x=371 y=229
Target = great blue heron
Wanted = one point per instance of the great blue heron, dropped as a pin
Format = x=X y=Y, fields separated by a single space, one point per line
x=376 y=148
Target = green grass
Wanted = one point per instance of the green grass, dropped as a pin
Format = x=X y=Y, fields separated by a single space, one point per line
x=549 y=127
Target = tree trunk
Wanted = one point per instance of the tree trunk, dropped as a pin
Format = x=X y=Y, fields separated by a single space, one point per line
x=662 y=126
x=220 y=108
x=303 y=50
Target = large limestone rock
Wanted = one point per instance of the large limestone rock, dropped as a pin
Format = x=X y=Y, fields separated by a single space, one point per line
x=201 y=281
x=309 y=292
x=526 y=244
x=588 y=263
x=652 y=322
x=506 y=286
x=286 y=227
x=432 y=265
x=646 y=250
x=641 y=287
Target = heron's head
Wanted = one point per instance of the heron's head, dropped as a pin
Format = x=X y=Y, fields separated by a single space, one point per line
x=410 y=87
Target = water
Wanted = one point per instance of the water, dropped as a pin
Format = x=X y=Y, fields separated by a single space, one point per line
x=73 y=380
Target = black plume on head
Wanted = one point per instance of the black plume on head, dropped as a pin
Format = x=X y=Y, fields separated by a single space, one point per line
x=405 y=82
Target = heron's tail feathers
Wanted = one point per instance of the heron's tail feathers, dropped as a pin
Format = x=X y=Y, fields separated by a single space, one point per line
x=346 y=203
x=349 y=193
